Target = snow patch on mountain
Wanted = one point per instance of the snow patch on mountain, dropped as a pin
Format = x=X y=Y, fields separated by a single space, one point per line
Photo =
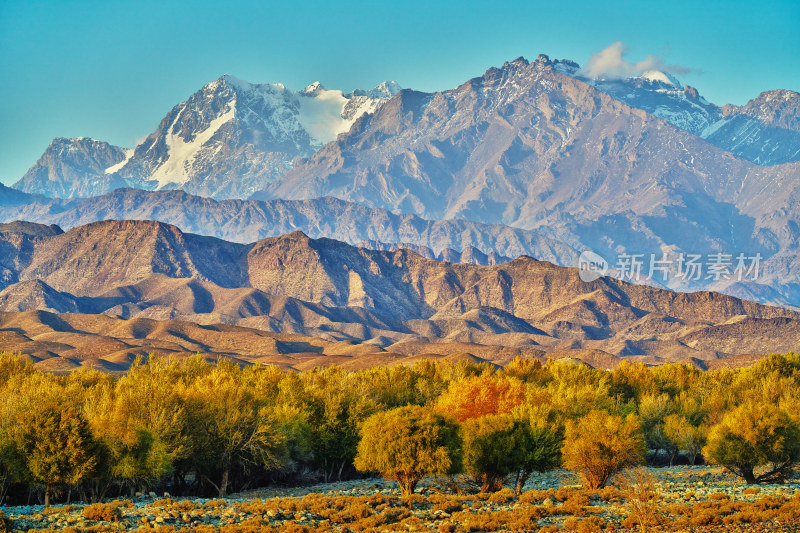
x=176 y=170
x=660 y=77
x=114 y=168
x=321 y=113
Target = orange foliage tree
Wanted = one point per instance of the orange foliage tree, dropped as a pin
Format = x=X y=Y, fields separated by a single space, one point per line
x=476 y=396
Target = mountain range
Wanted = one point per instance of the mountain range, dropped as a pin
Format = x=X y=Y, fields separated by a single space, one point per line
x=232 y=138
x=396 y=300
x=528 y=146
x=530 y=158
x=245 y=221
x=228 y=140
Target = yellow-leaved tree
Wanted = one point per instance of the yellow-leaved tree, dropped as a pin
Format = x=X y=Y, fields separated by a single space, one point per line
x=756 y=441
x=600 y=444
x=406 y=444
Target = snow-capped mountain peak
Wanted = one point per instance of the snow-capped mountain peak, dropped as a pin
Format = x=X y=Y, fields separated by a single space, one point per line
x=313 y=89
x=657 y=76
x=229 y=139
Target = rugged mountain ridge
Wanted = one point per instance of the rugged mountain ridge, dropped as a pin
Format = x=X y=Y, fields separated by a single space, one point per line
x=228 y=140
x=231 y=138
x=325 y=288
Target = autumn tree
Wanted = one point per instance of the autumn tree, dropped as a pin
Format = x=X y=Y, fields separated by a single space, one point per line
x=136 y=455
x=653 y=410
x=150 y=397
x=476 y=396
x=336 y=412
x=540 y=449
x=407 y=443
x=577 y=389
x=231 y=428
x=321 y=412
x=57 y=447
x=599 y=445
x=755 y=436
x=684 y=436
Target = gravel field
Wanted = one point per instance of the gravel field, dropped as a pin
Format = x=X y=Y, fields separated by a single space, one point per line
x=550 y=502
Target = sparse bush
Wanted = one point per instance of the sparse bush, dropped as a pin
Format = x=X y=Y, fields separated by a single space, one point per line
x=599 y=445
x=591 y=524
x=504 y=495
x=642 y=498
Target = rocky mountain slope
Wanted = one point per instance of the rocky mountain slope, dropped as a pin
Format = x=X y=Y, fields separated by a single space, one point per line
x=328 y=289
x=245 y=221
x=528 y=146
x=766 y=130
x=228 y=140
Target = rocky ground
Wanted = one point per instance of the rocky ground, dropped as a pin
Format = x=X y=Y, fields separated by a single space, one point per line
x=686 y=499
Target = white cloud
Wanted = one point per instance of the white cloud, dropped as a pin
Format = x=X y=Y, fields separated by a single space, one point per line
x=611 y=63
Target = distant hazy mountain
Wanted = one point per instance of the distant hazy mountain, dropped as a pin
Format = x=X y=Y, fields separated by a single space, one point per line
x=13 y=198
x=246 y=221
x=228 y=140
x=295 y=284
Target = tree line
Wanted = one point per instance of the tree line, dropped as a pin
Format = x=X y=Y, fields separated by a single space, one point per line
x=193 y=427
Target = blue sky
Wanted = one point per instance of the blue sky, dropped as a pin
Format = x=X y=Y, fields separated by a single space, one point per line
x=111 y=69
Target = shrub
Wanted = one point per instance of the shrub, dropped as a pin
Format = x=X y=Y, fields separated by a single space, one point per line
x=502 y=496
x=642 y=499
x=591 y=524
x=103 y=512
x=755 y=435
x=407 y=443
x=684 y=436
x=599 y=445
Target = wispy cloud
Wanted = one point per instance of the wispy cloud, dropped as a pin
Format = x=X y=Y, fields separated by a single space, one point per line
x=611 y=63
